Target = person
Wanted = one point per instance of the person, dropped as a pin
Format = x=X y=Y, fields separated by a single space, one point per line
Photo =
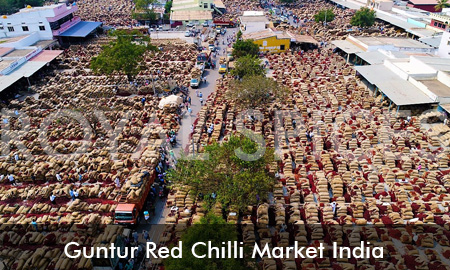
x=196 y=92
x=143 y=101
x=135 y=236
x=34 y=224
x=75 y=193
x=192 y=128
x=189 y=110
x=200 y=94
x=189 y=100
x=419 y=168
x=201 y=101
x=11 y=179
x=52 y=198
x=16 y=157
x=408 y=119
x=333 y=207
x=117 y=181
x=58 y=177
x=71 y=194
x=146 y=236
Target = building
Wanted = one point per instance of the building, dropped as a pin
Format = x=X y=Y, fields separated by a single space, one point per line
x=46 y=23
x=272 y=41
x=195 y=11
x=427 y=5
x=440 y=21
x=384 y=5
x=410 y=82
x=254 y=21
x=353 y=45
x=444 y=47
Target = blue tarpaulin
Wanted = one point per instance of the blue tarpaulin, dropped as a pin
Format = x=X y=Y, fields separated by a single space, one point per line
x=81 y=29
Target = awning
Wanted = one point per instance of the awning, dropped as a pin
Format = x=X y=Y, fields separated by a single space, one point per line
x=302 y=38
x=8 y=80
x=81 y=29
x=347 y=46
x=373 y=58
x=46 y=56
x=401 y=92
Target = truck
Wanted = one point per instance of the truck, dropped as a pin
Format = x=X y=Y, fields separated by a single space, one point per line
x=205 y=58
x=197 y=75
x=128 y=210
x=224 y=23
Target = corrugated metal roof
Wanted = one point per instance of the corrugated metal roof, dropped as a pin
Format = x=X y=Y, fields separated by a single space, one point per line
x=347 y=46
x=81 y=29
x=401 y=92
x=373 y=58
x=190 y=15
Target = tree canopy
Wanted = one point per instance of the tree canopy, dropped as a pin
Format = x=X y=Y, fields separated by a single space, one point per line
x=235 y=181
x=248 y=65
x=245 y=47
x=123 y=54
x=144 y=11
x=441 y=4
x=325 y=15
x=364 y=17
x=168 y=6
x=210 y=228
x=254 y=91
x=12 y=6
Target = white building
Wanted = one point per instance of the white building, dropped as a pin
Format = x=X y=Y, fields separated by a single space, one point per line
x=411 y=81
x=444 y=47
x=253 y=21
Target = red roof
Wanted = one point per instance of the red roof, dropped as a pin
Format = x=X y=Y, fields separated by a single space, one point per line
x=5 y=50
x=125 y=207
x=423 y=2
x=46 y=56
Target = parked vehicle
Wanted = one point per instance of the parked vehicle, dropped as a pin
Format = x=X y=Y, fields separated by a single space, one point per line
x=224 y=23
x=187 y=33
x=128 y=210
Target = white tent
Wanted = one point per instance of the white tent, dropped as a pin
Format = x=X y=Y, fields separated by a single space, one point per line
x=170 y=100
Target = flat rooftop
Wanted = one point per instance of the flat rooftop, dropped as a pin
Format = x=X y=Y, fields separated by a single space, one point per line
x=5 y=63
x=438 y=88
x=19 y=53
x=397 y=42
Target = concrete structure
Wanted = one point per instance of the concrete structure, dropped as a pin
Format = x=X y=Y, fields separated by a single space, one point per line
x=411 y=81
x=427 y=5
x=385 y=5
x=269 y=40
x=440 y=21
x=45 y=23
x=253 y=21
x=353 y=45
x=444 y=47
x=195 y=11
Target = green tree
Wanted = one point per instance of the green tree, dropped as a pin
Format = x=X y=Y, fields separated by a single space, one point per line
x=441 y=4
x=12 y=6
x=168 y=6
x=364 y=17
x=210 y=228
x=255 y=91
x=244 y=47
x=123 y=54
x=144 y=10
x=239 y=35
x=248 y=65
x=235 y=181
x=325 y=15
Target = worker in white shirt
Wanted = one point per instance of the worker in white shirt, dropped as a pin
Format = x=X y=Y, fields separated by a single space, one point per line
x=52 y=198
x=11 y=180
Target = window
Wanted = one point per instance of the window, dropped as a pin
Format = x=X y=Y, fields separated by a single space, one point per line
x=440 y=25
x=205 y=5
x=10 y=29
x=25 y=28
x=41 y=27
x=435 y=23
x=281 y=47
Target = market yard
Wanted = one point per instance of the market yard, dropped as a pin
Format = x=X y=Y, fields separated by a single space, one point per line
x=87 y=153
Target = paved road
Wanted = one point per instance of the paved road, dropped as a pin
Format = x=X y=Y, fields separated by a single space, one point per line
x=155 y=225
x=206 y=89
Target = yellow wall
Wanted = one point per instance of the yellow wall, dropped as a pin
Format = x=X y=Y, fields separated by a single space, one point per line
x=273 y=44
